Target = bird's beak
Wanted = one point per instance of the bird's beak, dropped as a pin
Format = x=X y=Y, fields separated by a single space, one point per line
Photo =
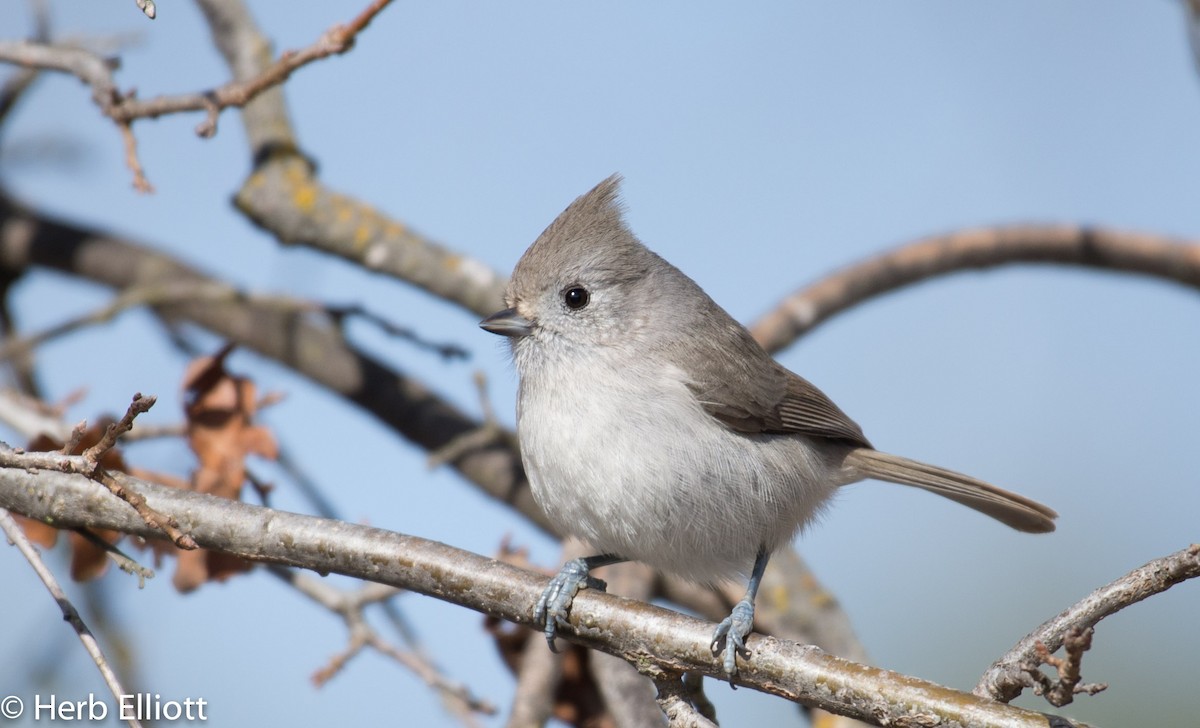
x=507 y=323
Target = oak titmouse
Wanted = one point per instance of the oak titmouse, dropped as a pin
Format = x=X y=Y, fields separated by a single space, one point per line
x=654 y=427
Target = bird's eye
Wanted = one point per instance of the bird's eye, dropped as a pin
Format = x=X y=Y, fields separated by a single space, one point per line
x=576 y=297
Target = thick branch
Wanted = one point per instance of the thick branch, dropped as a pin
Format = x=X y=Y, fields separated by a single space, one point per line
x=289 y=334
x=284 y=196
x=1172 y=260
x=654 y=639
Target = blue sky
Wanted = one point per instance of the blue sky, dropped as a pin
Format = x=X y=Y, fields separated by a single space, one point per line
x=762 y=147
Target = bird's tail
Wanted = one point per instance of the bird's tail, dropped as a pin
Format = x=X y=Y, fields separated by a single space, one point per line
x=1014 y=510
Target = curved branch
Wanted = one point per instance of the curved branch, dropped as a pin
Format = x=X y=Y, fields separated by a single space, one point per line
x=1005 y=679
x=656 y=640
x=1172 y=260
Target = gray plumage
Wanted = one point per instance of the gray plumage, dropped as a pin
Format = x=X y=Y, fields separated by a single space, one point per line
x=653 y=426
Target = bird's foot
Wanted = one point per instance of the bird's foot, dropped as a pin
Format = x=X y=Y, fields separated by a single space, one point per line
x=732 y=631
x=554 y=605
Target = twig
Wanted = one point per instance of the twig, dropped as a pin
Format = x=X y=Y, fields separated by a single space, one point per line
x=799 y=313
x=88 y=464
x=339 y=660
x=446 y=351
x=481 y=437
x=262 y=487
x=349 y=605
x=153 y=294
x=23 y=369
x=123 y=561
x=1006 y=678
x=330 y=221
x=14 y=89
x=68 y=401
x=140 y=405
x=17 y=537
x=165 y=523
x=125 y=108
x=15 y=85
x=1062 y=691
x=487 y=433
x=93 y=454
x=140 y=183
x=335 y=41
x=307 y=486
x=76 y=437
x=458 y=696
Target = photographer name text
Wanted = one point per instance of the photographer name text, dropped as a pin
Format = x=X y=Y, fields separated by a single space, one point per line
x=135 y=706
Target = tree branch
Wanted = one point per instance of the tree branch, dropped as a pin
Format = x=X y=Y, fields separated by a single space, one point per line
x=684 y=704
x=1009 y=675
x=350 y=606
x=124 y=108
x=533 y=698
x=1153 y=255
x=1062 y=691
x=96 y=72
x=654 y=639
x=283 y=196
x=628 y=696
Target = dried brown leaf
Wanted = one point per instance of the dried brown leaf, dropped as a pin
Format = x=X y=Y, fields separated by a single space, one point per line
x=219 y=408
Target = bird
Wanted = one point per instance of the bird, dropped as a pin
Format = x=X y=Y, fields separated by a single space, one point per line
x=655 y=428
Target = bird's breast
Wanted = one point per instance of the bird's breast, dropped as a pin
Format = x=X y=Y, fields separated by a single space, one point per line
x=628 y=460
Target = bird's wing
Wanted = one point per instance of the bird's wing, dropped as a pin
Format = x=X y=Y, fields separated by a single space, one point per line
x=749 y=392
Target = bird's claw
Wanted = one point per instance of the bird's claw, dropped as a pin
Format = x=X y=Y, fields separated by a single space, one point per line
x=554 y=605
x=732 y=631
